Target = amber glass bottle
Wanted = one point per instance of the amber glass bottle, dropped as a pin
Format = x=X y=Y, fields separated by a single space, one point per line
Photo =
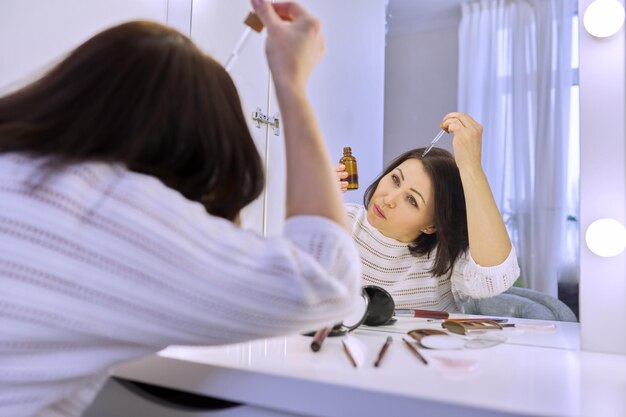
x=350 y=162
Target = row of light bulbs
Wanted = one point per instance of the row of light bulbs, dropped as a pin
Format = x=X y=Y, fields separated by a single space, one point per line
x=605 y=237
x=604 y=18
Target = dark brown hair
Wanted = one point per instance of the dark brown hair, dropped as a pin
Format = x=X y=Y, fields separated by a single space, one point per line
x=451 y=237
x=143 y=95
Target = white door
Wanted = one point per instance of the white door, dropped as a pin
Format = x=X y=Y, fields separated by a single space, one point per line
x=216 y=27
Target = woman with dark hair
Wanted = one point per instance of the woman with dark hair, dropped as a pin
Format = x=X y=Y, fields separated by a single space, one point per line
x=430 y=232
x=122 y=173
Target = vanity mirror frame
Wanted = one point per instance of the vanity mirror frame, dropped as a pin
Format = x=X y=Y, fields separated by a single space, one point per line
x=603 y=185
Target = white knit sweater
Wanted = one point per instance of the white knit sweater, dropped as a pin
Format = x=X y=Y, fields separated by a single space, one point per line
x=388 y=263
x=99 y=265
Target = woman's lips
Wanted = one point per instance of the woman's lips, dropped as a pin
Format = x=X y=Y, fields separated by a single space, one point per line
x=379 y=212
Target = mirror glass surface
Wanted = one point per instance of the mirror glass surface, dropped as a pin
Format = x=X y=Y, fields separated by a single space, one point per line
x=421 y=86
x=358 y=314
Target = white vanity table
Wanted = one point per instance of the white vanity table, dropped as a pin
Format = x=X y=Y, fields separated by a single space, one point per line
x=531 y=374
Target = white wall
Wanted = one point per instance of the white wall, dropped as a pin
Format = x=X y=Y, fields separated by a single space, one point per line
x=602 y=185
x=421 y=81
x=347 y=88
x=34 y=34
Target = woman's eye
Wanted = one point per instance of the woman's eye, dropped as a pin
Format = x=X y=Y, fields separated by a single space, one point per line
x=412 y=201
x=395 y=179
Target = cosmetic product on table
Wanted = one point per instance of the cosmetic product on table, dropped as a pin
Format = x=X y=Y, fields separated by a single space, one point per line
x=383 y=351
x=427 y=314
x=318 y=338
x=441 y=340
x=415 y=352
x=497 y=320
x=467 y=327
x=354 y=350
x=540 y=327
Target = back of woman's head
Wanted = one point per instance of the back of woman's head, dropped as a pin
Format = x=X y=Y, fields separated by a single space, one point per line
x=143 y=95
x=450 y=220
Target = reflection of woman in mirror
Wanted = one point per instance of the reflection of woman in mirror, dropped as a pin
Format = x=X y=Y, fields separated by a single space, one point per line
x=430 y=232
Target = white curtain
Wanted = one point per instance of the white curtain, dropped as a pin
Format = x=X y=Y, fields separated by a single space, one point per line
x=515 y=76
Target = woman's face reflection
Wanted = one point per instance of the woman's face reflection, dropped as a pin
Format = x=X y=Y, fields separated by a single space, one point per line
x=403 y=205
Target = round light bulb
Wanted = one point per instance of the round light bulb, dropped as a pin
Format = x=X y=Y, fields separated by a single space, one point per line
x=604 y=18
x=606 y=237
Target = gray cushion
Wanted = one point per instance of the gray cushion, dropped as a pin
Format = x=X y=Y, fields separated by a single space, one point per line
x=522 y=303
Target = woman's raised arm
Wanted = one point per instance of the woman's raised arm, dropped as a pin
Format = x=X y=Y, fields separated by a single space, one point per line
x=489 y=242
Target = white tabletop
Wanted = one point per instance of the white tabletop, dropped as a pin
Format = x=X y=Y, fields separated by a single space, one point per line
x=510 y=379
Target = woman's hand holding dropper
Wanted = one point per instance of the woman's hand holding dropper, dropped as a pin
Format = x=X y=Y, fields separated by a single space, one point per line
x=489 y=242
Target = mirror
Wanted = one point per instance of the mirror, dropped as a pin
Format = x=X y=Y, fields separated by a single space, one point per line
x=420 y=75
x=355 y=319
x=421 y=84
